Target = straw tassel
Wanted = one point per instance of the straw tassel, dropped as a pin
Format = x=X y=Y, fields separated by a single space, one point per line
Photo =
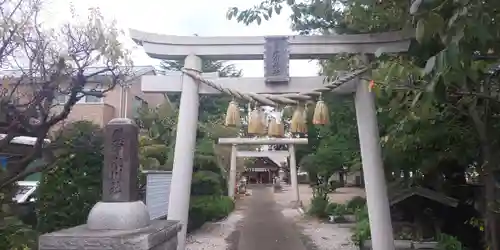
x=233 y=114
x=255 y=124
x=263 y=122
x=298 y=122
x=320 y=116
x=276 y=128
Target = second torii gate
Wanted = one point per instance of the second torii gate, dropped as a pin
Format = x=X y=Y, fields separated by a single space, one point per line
x=291 y=142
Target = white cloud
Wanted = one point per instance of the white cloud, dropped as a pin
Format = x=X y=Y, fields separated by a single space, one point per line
x=187 y=17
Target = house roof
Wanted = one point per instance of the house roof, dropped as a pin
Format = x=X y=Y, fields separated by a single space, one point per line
x=137 y=71
x=265 y=161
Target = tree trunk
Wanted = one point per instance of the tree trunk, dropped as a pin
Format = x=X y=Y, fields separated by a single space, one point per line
x=489 y=164
x=490 y=216
x=342 y=178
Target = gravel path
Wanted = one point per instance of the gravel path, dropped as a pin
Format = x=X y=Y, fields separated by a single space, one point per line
x=212 y=236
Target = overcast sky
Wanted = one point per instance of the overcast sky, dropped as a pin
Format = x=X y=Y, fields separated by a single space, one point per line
x=187 y=17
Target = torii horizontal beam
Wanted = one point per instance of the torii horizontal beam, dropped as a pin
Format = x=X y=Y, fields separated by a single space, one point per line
x=172 y=82
x=167 y=47
x=262 y=141
x=269 y=154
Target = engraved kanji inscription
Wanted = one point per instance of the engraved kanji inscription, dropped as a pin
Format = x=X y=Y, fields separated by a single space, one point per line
x=116 y=167
x=121 y=161
x=276 y=59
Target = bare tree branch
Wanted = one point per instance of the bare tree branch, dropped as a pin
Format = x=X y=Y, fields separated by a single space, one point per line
x=40 y=65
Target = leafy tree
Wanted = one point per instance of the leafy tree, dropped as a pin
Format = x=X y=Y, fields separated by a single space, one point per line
x=72 y=185
x=334 y=146
x=45 y=65
x=157 y=139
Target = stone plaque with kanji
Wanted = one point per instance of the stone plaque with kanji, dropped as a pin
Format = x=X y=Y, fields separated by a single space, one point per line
x=121 y=161
x=276 y=59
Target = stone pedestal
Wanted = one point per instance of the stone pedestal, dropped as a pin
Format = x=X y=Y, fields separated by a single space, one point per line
x=159 y=235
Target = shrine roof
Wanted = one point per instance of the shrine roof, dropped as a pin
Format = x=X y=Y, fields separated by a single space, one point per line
x=399 y=195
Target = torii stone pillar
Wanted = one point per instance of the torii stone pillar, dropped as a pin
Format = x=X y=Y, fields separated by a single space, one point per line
x=185 y=145
x=293 y=174
x=264 y=141
x=373 y=169
x=253 y=48
x=232 y=172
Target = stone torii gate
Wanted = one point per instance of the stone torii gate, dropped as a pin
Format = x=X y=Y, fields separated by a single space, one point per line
x=279 y=50
x=291 y=142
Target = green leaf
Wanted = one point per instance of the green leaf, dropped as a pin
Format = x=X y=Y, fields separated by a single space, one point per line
x=452 y=56
x=439 y=89
x=435 y=23
x=420 y=32
x=391 y=73
x=379 y=52
x=240 y=17
x=458 y=36
x=415 y=6
x=458 y=13
x=270 y=12
x=259 y=20
x=432 y=85
x=417 y=97
x=441 y=61
x=277 y=9
x=290 y=2
x=430 y=64
x=251 y=19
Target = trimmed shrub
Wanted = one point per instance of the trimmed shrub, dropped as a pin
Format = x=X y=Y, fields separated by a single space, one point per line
x=333 y=185
x=208 y=208
x=318 y=207
x=72 y=185
x=356 y=203
x=361 y=231
x=206 y=183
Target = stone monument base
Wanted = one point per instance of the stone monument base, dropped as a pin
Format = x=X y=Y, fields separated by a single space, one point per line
x=159 y=235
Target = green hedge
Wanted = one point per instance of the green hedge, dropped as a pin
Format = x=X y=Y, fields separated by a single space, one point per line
x=71 y=187
x=206 y=183
x=208 y=208
x=318 y=208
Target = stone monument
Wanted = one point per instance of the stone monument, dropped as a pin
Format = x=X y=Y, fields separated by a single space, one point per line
x=120 y=221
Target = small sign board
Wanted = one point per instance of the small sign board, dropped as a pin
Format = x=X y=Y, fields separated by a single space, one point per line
x=276 y=60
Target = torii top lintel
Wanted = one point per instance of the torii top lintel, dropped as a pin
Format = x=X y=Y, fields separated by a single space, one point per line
x=262 y=141
x=168 y=47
